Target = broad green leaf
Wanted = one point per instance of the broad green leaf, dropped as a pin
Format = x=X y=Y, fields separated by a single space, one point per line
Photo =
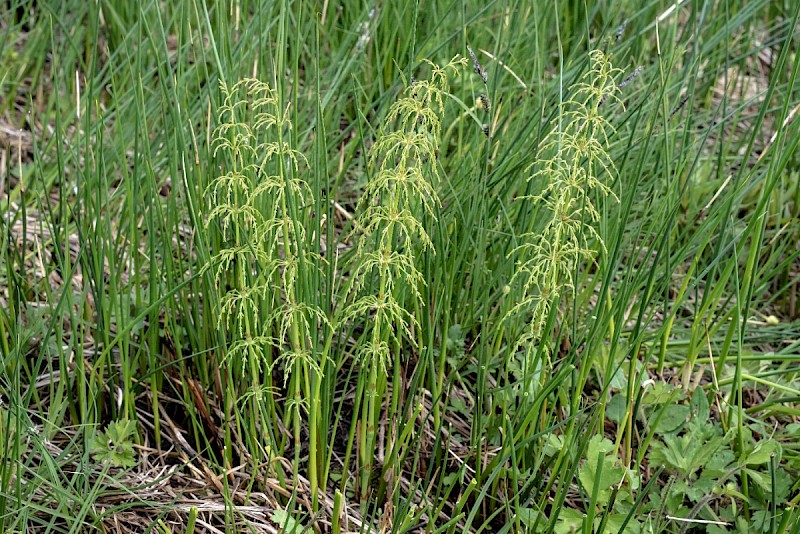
x=616 y=408
x=528 y=517
x=614 y=525
x=699 y=405
x=783 y=483
x=553 y=444
x=618 y=381
x=659 y=393
x=609 y=473
x=287 y=523
x=700 y=488
x=719 y=463
x=761 y=521
x=569 y=521
x=674 y=416
x=763 y=451
x=114 y=446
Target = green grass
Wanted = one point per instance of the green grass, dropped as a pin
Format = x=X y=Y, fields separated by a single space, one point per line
x=360 y=328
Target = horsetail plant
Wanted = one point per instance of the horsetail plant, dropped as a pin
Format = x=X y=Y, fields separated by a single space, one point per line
x=574 y=171
x=400 y=193
x=258 y=205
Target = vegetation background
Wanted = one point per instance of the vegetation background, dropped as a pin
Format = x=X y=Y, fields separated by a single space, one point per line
x=441 y=266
